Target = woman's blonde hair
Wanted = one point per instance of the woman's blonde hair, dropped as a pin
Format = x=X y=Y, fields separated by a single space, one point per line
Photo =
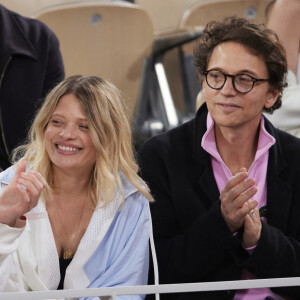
x=110 y=133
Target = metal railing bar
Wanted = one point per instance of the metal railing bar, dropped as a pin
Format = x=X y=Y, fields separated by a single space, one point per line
x=152 y=289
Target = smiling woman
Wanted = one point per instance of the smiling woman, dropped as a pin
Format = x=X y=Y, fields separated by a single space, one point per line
x=75 y=187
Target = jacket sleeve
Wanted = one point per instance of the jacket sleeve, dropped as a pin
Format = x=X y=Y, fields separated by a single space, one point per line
x=10 y=271
x=122 y=258
x=275 y=256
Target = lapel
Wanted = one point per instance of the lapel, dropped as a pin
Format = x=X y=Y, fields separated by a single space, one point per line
x=45 y=247
x=208 y=184
x=279 y=193
x=206 y=180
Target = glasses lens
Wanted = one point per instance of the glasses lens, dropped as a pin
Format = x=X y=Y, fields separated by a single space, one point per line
x=215 y=79
x=243 y=83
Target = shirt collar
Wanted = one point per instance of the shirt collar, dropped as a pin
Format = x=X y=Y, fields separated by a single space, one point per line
x=208 y=143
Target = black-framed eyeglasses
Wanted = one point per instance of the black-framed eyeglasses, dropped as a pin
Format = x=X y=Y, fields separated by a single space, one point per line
x=242 y=83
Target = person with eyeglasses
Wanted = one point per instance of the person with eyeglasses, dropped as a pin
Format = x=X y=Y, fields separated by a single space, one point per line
x=226 y=183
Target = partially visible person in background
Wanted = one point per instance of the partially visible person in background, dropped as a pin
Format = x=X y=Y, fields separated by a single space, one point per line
x=73 y=212
x=284 y=19
x=30 y=66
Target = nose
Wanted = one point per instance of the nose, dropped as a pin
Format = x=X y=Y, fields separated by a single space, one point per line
x=69 y=132
x=228 y=89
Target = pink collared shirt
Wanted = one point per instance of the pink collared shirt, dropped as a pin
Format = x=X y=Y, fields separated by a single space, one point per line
x=258 y=171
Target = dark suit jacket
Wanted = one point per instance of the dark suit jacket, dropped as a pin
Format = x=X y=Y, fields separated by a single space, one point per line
x=30 y=66
x=192 y=240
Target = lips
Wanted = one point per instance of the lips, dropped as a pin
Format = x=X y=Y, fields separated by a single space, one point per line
x=228 y=106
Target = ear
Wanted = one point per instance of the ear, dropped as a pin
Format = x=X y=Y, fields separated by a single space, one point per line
x=202 y=80
x=199 y=100
x=272 y=97
x=204 y=88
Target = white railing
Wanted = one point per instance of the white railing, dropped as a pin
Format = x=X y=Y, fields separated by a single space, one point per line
x=110 y=293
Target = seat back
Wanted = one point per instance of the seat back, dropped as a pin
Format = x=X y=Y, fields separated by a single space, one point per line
x=165 y=14
x=205 y=11
x=29 y=8
x=110 y=40
x=24 y=8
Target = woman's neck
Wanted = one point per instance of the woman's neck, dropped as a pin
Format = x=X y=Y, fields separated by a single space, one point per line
x=71 y=185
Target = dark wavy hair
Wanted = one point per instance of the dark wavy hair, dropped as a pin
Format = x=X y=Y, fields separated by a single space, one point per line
x=258 y=39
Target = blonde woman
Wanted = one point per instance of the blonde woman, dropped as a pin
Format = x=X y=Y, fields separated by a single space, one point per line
x=73 y=211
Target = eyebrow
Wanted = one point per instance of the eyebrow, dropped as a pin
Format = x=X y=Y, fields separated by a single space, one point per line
x=56 y=114
x=249 y=72
x=238 y=72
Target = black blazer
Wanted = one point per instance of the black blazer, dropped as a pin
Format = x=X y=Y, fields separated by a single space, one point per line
x=30 y=65
x=192 y=240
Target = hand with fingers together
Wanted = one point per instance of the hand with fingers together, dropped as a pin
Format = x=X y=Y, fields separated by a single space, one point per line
x=21 y=195
x=235 y=199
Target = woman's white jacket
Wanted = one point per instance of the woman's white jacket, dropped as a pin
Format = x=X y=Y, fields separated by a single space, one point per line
x=112 y=252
